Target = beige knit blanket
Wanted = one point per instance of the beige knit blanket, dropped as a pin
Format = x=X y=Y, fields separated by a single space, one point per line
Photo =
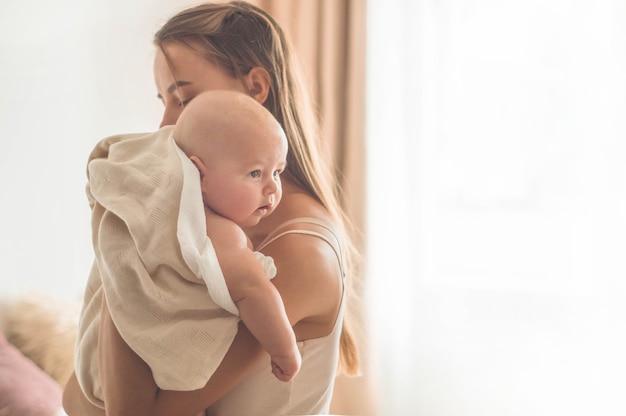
x=148 y=257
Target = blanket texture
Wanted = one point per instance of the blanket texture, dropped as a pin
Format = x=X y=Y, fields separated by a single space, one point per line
x=148 y=259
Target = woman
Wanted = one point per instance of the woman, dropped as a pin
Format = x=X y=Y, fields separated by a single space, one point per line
x=239 y=47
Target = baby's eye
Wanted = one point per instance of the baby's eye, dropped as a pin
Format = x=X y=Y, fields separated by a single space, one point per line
x=255 y=173
x=277 y=173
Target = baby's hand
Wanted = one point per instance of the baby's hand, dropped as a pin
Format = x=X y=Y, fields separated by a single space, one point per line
x=286 y=367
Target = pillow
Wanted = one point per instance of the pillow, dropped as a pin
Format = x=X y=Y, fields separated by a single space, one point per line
x=44 y=329
x=25 y=390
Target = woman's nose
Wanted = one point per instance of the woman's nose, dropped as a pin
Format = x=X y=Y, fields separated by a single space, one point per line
x=169 y=117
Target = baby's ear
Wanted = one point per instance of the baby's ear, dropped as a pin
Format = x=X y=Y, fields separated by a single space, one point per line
x=199 y=165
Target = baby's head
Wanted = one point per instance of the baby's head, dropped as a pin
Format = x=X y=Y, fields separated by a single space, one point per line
x=240 y=150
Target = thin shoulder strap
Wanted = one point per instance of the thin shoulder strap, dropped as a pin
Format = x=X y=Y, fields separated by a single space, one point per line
x=335 y=245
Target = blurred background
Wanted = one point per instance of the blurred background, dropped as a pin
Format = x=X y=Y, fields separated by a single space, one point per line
x=481 y=147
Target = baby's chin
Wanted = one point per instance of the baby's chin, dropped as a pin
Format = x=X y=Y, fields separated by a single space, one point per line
x=257 y=216
x=251 y=221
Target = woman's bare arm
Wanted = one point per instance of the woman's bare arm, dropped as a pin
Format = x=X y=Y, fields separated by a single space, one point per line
x=133 y=372
x=129 y=388
x=309 y=283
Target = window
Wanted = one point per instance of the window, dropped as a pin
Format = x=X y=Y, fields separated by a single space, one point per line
x=497 y=205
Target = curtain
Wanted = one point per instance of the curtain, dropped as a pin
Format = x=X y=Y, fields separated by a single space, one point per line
x=496 y=202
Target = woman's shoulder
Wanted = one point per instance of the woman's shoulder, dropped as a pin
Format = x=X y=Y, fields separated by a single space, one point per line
x=301 y=214
x=305 y=247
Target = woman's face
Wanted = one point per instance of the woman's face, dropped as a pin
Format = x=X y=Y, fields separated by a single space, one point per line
x=186 y=76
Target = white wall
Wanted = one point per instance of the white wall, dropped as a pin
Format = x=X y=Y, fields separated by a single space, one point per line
x=72 y=72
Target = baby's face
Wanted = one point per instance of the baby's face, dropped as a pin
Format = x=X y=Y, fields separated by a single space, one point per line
x=242 y=181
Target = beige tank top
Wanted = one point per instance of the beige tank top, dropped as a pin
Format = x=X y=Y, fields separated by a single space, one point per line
x=310 y=392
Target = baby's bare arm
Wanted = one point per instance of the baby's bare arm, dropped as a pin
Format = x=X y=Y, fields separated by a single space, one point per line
x=259 y=303
x=262 y=310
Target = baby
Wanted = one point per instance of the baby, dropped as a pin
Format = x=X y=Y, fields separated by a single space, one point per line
x=240 y=150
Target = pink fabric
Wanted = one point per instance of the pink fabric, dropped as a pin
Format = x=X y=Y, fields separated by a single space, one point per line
x=25 y=389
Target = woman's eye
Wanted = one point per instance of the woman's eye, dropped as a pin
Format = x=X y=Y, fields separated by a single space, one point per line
x=183 y=104
x=255 y=173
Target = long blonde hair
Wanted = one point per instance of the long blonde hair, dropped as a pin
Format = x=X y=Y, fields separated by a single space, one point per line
x=239 y=36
